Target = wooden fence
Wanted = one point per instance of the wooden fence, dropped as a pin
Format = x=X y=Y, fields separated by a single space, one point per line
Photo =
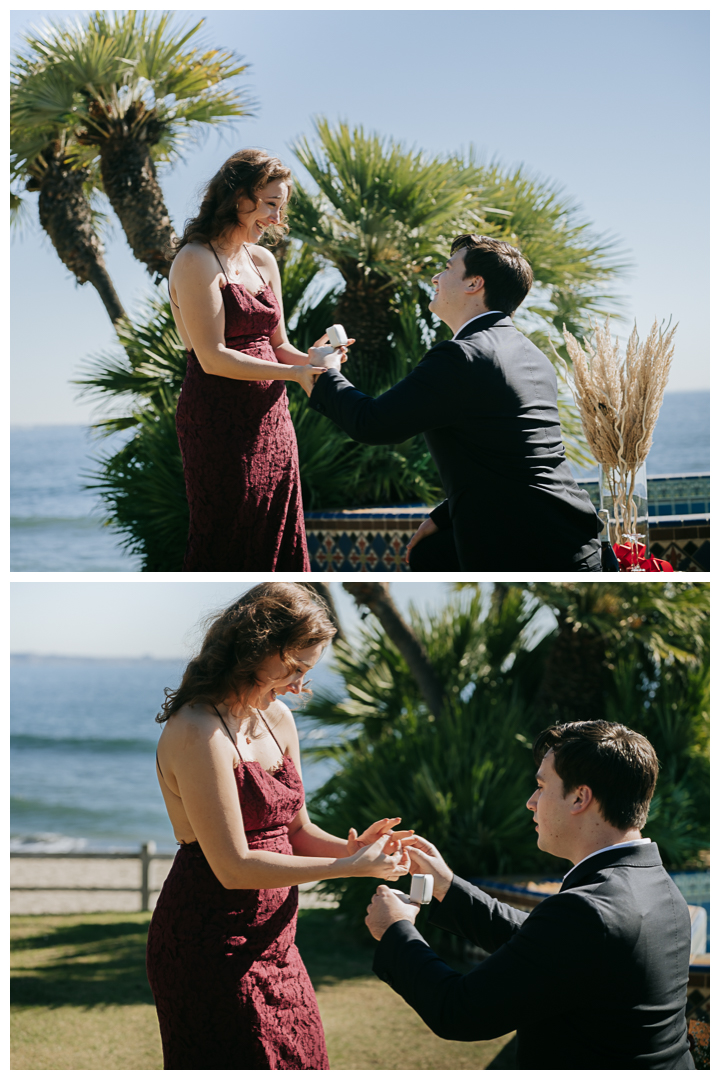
x=148 y=852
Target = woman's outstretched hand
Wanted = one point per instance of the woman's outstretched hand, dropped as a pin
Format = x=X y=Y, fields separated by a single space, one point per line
x=384 y=826
x=371 y=861
x=426 y=859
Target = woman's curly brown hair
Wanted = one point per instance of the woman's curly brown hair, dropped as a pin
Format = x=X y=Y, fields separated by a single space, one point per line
x=246 y=172
x=271 y=618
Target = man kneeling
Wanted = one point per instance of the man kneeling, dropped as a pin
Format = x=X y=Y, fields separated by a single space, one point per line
x=596 y=976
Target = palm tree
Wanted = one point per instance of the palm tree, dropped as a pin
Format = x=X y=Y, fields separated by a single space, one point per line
x=600 y=627
x=377 y=599
x=45 y=159
x=130 y=89
x=384 y=217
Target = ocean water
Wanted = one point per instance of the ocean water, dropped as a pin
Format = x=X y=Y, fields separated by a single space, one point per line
x=57 y=525
x=82 y=752
x=55 y=522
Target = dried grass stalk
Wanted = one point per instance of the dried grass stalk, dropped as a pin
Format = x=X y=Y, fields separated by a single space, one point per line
x=619 y=402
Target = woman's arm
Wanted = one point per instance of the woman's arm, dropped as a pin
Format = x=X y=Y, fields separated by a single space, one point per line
x=196 y=281
x=285 y=352
x=202 y=765
x=309 y=839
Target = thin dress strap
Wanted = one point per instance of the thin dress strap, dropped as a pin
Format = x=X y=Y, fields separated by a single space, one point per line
x=227 y=282
x=226 y=728
x=264 y=283
x=271 y=732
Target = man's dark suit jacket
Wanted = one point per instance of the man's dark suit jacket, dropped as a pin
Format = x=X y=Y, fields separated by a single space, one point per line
x=487 y=405
x=594 y=978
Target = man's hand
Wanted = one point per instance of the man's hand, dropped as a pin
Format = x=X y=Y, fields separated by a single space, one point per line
x=426 y=859
x=427 y=528
x=387 y=908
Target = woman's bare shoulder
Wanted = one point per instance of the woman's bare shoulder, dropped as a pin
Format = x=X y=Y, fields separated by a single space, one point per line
x=191 y=726
x=195 y=257
x=263 y=256
x=281 y=721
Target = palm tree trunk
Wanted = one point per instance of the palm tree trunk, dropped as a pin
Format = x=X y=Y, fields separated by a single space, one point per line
x=66 y=217
x=366 y=315
x=575 y=678
x=130 y=183
x=376 y=596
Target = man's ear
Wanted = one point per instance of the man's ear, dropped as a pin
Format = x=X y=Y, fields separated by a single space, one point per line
x=475 y=284
x=581 y=799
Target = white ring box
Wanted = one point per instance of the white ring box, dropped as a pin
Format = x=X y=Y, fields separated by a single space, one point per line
x=421 y=889
x=336 y=335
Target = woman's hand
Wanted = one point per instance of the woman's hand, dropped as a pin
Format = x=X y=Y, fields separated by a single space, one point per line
x=384 y=827
x=426 y=859
x=306 y=376
x=371 y=861
x=318 y=353
x=427 y=528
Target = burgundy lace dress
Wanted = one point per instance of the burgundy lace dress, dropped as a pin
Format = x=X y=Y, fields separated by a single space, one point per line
x=240 y=453
x=230 y=988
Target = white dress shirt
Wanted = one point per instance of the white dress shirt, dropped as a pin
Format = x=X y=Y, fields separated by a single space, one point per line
x=625 y=843
x=473 y=320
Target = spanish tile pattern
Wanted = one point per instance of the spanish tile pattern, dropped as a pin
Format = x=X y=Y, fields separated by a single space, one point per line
x=670 y=496
x=375 y=538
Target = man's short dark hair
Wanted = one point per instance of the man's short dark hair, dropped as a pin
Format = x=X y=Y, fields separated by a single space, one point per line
x=617 y=764
x=506 y=272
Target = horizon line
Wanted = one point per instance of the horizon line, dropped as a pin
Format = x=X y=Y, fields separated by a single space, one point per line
x=84 y=656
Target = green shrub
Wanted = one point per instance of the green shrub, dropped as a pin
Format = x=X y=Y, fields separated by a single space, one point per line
x=462 y=780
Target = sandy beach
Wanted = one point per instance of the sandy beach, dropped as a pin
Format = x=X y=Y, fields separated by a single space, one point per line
x=39 y=885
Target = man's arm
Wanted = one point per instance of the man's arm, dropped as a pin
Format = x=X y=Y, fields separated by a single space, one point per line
x=440 y=516
x=558 y=946
x=428 y=397
x=470 y=913
x=460 y=907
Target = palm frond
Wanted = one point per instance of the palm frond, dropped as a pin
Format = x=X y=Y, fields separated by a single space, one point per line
x=143 y=489
x=152 y=361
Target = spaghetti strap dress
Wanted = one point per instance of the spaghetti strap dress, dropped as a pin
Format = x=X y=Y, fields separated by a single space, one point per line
x=230 y=988
x=239 y=452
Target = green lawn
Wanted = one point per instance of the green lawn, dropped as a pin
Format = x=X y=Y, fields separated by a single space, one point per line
x=80 y=999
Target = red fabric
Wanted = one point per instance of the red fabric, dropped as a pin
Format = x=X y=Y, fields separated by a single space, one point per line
x=240 y=454
x=230 y=988
x=627 y=557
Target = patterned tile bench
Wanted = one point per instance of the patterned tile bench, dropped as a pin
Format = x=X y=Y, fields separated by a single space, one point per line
x=374 y=539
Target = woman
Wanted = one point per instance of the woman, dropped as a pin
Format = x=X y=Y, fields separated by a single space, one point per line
x=235 y=433
x=230 y=988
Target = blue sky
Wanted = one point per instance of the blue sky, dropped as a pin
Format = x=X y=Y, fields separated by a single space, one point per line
x=611 y=105
x=149 y=618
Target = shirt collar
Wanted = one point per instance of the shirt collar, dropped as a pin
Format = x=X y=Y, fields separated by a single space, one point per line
x=480 y=316
x=611 y=847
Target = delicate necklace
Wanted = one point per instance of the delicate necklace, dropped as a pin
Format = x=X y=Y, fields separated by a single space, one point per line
x=247 y=738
